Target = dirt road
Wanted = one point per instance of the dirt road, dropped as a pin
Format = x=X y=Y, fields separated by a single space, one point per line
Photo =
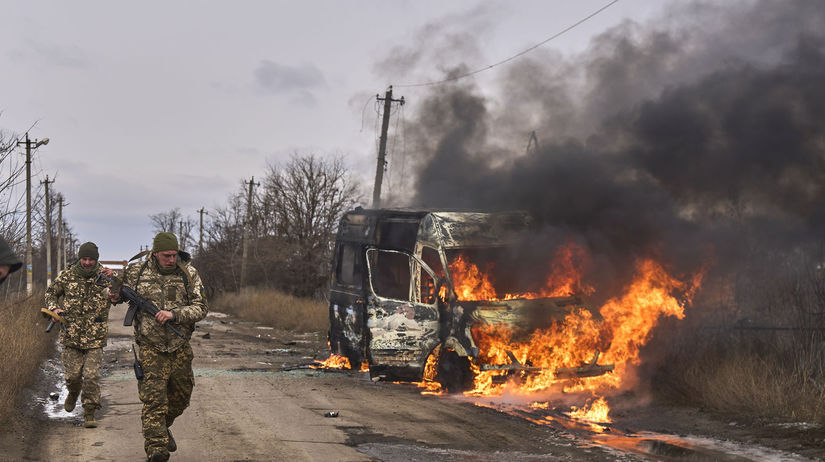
x=249 y=404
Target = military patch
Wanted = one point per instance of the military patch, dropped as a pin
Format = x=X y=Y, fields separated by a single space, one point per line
x=171 y=292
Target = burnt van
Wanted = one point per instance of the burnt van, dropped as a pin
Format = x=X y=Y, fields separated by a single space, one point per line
x=393 y=301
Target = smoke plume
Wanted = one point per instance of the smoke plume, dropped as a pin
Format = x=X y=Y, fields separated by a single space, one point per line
x=702 y=132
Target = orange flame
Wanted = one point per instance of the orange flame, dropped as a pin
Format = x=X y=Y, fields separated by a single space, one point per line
x=469 y=282
x=428 y=380
x=333 y=362
x=596 y=413
x=627 y=324
x=564 y=278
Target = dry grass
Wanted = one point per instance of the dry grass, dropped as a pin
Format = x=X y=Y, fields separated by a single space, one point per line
x=276 y=309
x=23 y=348
x=740 y=380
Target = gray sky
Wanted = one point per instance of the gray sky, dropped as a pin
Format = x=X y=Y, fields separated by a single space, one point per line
x=154 y=105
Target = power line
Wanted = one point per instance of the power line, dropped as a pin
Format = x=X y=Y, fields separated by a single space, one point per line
x=558 y=34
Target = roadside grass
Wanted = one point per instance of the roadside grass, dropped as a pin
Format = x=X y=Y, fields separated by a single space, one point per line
x=744 y=378
x=276 y=309
x=23 y=348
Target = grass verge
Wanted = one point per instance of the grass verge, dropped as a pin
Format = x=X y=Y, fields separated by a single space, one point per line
x=276 y=309
x=23 y=348
x=738 y=378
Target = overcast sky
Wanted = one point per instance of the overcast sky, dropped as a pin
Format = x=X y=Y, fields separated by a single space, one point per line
x=154 y=105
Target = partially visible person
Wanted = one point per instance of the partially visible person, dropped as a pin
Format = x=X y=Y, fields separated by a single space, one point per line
x=9 y=262
x=174 y=286
x=85 y=307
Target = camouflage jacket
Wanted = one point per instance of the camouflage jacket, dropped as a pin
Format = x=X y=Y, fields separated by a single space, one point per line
x=178 y=292
x=86 y=308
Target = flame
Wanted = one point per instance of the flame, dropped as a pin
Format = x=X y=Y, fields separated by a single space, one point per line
x=564 y=278
x=469 y=282
x=596 y=413
x=626 y=324
x=428 y=380
x=333 y=362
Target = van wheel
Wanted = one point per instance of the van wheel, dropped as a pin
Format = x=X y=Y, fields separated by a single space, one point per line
x=454 y=373
x=354 y=361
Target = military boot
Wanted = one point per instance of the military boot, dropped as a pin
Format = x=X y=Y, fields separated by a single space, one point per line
x=89 y=417
x=160 y=456
x=71 y=400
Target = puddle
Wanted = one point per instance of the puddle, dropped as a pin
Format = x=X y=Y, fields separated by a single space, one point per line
x=53 y=409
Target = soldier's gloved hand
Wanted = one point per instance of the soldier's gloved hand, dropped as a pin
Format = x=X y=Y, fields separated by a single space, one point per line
x=114 y=296
x=164 y=316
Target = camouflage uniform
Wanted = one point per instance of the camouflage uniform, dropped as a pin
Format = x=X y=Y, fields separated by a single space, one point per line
x=165 y=357
x=86 y=311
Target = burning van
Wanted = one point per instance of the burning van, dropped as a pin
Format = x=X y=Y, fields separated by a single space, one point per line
x=405 y=290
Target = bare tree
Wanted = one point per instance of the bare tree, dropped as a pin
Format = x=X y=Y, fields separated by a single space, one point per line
x=294 y=218
x=174 y=222
x=305 y=199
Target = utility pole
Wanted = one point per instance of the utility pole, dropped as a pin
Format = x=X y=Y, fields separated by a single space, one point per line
x=65 y=248
x=60 y=263
x=48 y=232
x=69 y=240
x=247 y=225
x=200 y=234
x=28 y=144
x=382 y=145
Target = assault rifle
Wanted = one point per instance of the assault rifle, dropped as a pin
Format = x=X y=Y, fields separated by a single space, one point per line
x=53 y=317
x=136 y=303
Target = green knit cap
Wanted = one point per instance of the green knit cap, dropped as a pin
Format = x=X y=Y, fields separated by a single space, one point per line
x=165 y=241
x=88 y=250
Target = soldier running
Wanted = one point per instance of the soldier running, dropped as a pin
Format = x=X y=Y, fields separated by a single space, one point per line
x=86 y=311
x=168 y=281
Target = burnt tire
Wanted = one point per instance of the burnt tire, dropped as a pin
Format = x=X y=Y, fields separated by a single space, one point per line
x=454 y=373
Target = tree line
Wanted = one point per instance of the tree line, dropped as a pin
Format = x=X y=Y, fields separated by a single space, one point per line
x=292 y=215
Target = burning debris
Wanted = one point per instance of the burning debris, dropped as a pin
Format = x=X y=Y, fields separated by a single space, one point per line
x=333 y=362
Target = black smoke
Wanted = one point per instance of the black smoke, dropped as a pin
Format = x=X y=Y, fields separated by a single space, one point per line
x=697 y=136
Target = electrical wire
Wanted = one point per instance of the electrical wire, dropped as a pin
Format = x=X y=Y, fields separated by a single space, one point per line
x=521 y=53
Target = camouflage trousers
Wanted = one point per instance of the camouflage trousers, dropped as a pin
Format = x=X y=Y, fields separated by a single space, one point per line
x=164 y=391
x=82 y=372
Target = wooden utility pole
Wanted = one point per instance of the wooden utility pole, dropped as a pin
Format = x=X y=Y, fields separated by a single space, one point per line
x=382 y=145
x=29 y=147
x=65 y=247
x=69 y=244
x=247 y=225
x=60 y=263
x=200 y=233
x=46 y=183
